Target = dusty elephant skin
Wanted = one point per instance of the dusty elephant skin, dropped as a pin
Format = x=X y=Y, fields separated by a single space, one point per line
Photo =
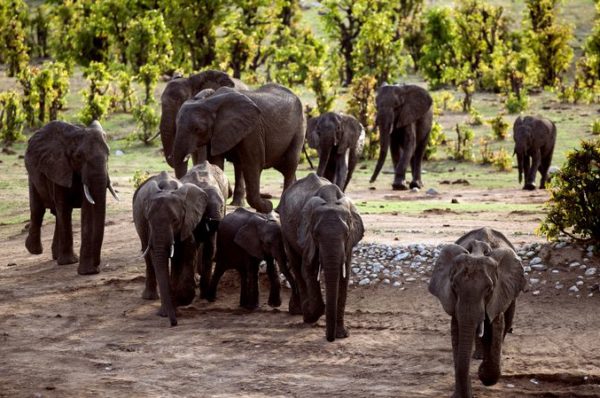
x=320 y=227
x=534 y=138
x=258 y=129
x=166 y=214
x=67 y=168
x=404 y=120
x=339 y=139
x=245 y=239
x=477 y=281
x=196 y=86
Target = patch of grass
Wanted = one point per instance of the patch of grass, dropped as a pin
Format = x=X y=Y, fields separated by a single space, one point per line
x=420 y=206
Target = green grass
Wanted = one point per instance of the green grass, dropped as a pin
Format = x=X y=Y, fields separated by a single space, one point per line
x=420 y=206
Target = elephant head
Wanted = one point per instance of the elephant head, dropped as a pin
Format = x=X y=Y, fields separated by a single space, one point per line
x=180 y=90
x=330 y=227
x=476 y=284
x=397 y=106
x=171 y=214
x=221 y=120
x=261 y=238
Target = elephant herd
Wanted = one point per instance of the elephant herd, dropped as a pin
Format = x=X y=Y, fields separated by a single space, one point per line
x=185 y=231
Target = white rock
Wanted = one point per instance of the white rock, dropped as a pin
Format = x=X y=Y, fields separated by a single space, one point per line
x=386 y=281
x=364 y=281
x=432 y=192
x=355 y=270
x=590 y=271
x=527 y=268
x=560 y=245
x=119 y=152
x=396 y=284
x=530 y=254
x=536 y=293
x=558 y=285
x=579 y=283
x=402 y=256
x=539 y=266
x=534 y=281
x=555 y=271
x=574 y=265
x=535 y=260
x=411 y=279
x=415 y=189
x=573 y=289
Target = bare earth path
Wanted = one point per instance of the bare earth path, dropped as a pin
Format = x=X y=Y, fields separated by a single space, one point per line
x=63 y=335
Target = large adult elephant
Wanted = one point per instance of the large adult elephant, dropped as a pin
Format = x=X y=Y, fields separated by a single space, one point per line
x=168 y=217
x=213 y=181
x=68 y=168
x=258 y=129
x=174 y=95
x=339 y=140
x=477 y=281
x=404 y=119
x=320 y=227
x=534 y=138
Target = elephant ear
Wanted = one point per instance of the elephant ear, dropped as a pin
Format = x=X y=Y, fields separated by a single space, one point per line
x=511 y=281
x=414 y=103
x=236 y=117
x=47 y=153
x=355 y=223
x=247 y=238
x=311 y=132
x=352 y=130
x=441 y=281
x=194 y=201
x=305 y=238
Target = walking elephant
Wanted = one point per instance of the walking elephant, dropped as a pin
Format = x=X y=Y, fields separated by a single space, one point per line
x=320 y=227
x=477 y=281
x=167 y=217
x=197 y=86
x=245 y=239
x=404 y=119
x=214 y=182
x=65 y=164
x=257 y=129
x=535 y=138
x=339 y=140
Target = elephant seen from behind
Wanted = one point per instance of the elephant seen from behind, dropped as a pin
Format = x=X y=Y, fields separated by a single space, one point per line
x=244 y=240
x=477 y=281
x=339 y=139
x=67 y=166
x=534 y=138
x=168 y=219
x=404 y=119
x=320 y=227
x=257 y=129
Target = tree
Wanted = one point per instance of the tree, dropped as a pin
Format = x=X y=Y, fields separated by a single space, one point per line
x=114 y=18
x=96 y=102
x=40 y=26
x=148 y=41
x=11 y=118
x=323 y=88
x=410 y=27
x=14 y=20
x=439 y=51
x=361 y=105
x=144 y=113
x=29 y=98
x=65 y=20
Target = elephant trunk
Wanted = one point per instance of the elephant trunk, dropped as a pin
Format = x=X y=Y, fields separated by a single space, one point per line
x=181 y=154
x=385 y=131
x=160 y=260
x=332 y=262
x=520 y=165
x=93 y=215
x=167 y=127
x=489 y=370
x=324 y=154
x=467 y=327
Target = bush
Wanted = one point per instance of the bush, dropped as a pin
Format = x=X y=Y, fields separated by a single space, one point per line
x=147 y=121
x=574 y=203
x=139 y=177
x=11 y=118
x=463 y=147
x=596 y=127
x=499 y=127
x=96 y=100
x=323 y=88
x=486 y=153
x=475 y=117
x=502 y=160
x=436 y=138
x=515 y=104
x=361 y=105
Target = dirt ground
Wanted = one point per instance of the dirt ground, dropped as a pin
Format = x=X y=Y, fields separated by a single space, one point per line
x=64 y=335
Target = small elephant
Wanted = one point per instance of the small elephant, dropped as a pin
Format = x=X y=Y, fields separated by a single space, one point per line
x=320 y=227
x=258 y=129
x=339 y=140
x=198 y=86
x=214 y=182
x=535 y=138
x=67 y=164
x=404 y=119
x=477 y=281
x=167 y=217
x=245 y=239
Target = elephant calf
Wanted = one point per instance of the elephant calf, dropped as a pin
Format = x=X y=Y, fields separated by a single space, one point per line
x=245 y=239
x=535 y=138
x=477 y=281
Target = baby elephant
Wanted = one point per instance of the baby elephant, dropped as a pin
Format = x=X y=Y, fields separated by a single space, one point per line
x=244 y=239
x=477 y=281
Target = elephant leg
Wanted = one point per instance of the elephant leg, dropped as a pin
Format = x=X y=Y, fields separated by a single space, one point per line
x=341 y=169
x=406 y=152
x=313 y=306
x=239 y=191
x=252 y=285
x=274 y=283
x=65 y=227
x=416 y=162
x=478 y=353
x=298 y=285
x=252 y=178
x=489 y=370
x=509 y=314
x=33 y=243
x=340 y=329
x=220 y=269
x=454 y=334
x=529 y=182
x=243 y=270
x=206 y=258
x=544 y=167
x=535 y=165
x=352 y=160
x=55 y=244
x=150 y=292
x=395 y=147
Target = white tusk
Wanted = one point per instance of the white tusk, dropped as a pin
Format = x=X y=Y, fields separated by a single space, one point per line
x=186 y=158
x=114 y=194
x=88 y=196
x=319 y=273
x=343 y=271
x=172 y=250
x=145 y=251
x=481 y=329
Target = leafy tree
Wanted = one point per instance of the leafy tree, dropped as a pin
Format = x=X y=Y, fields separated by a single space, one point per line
x=148 y=76
x=148 y=41
x=549 y=39
x=96 y=100
x=361 y=105
x=11 y=118
x=411 y=27
x=14 y=19
x=40 y=26
x=323 y=89
x=126 y=94
x=60 y=88
x=588 y=66
x=65 y=20
x=114 y=17
x=144 y=113
x=43 y=86
x=29 y=100
x=499 y=127
x=463 y=148
x=439 y=51
x=436 y=138
x=574 y=206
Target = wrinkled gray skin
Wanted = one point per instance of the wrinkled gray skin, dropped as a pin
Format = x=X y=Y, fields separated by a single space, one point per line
x=61 y=159
x=477 y=281
x=166 y=214
x=257 y=129
x=534 y=138
x=213 y=181
x=175 y=94
x=245 y=239
x=320 y=227
x=339 y=139
x=404 y=119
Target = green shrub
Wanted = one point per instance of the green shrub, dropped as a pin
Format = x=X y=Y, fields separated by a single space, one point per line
x=475 y=117
x=361 y=105
x=147 y=122
x=502 y=160
x=499 y=127
x=596 y=127
x=139 y=177
x=436 y=138
x=11 y=118
x=486 y=153
x=96 y=100
x=463 y=147
x=323 y=88
x=515 y=104
x=574 y=203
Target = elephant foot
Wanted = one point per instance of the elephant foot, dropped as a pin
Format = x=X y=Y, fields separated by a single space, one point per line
x=274 y=301
x=163 y=313
x=294 y=307
x=529 y=187
x=34 y=246
x=67 y=259
x=488 y=375
x=262 y=206
x=400 y=186
x=239 y=202
x=341 y=332
x=542 y=186
x=87 y=269
x=249 y=306
x=150 y=295
x=478 y=354
x=416 y=184
x=311 y=315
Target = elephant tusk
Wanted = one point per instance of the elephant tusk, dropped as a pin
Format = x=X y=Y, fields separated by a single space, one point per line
x=172 y=250
x=343 y=271
x=186 y=158
x=480 y=329
x=113 y=193
x=145 y=252
x=88 y=196
x=319 y=273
